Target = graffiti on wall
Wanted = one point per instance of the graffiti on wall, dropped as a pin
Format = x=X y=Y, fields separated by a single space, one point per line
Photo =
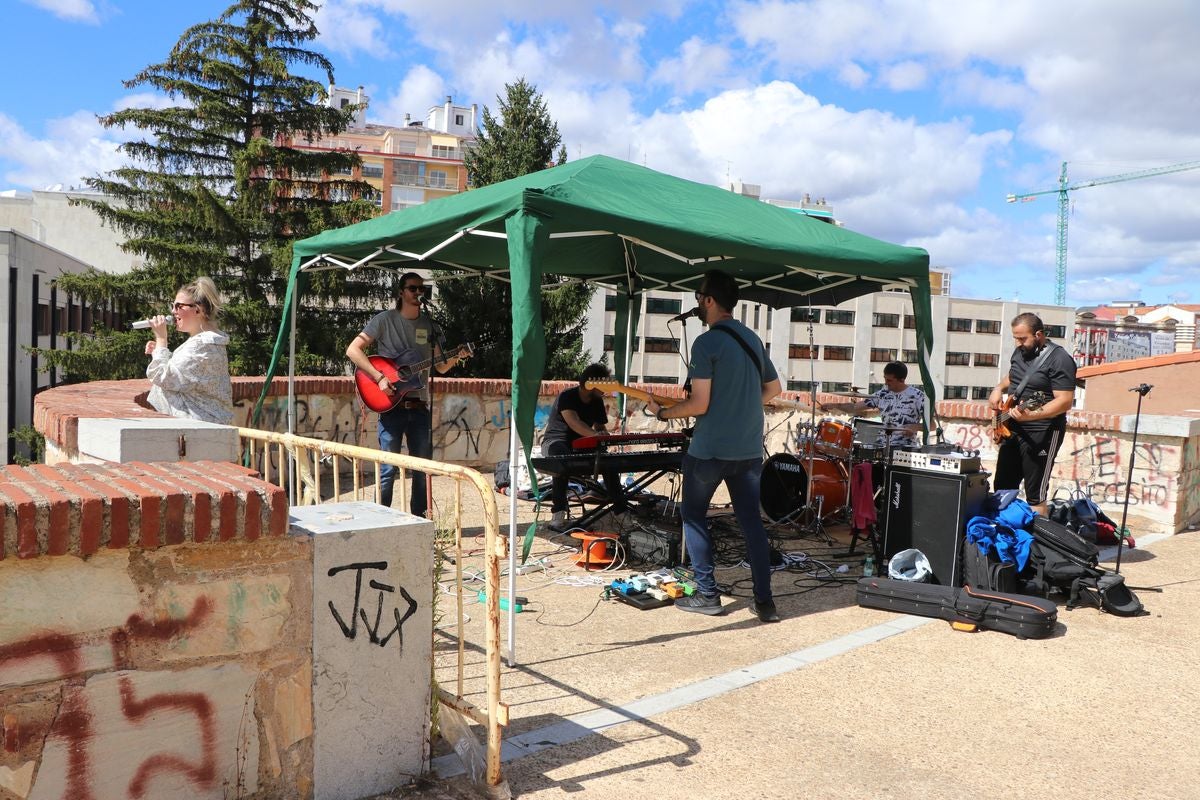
x=75 y=731
x=359 y=611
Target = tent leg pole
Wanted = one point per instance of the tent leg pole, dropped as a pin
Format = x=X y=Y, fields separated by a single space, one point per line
x=513 y=454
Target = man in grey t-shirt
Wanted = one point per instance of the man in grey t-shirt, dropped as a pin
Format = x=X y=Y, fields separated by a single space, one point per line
x=407 y=335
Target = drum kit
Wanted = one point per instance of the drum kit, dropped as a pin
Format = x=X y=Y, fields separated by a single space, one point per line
x=812 y=485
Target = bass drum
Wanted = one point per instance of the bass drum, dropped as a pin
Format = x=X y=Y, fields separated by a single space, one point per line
x=785 y=484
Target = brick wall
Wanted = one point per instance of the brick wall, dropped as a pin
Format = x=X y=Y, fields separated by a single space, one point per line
x=470 y=418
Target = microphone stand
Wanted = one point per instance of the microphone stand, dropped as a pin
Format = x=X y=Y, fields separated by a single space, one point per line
x=441 y=345
x=1142 y=390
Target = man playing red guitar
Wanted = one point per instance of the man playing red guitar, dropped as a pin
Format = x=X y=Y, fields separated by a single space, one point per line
x=1028 y=454
x=399 y=334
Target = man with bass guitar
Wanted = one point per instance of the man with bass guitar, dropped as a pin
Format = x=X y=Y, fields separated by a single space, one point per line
x=1036 y=410
x=404 y=335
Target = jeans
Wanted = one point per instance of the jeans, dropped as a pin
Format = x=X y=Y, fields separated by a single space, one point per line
x=558 y=489
x=701 y=477
x=411 y=426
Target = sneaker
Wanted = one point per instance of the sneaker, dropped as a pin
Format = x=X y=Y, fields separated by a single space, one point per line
x=701 y=604
x=766 y=611
x=558 y=520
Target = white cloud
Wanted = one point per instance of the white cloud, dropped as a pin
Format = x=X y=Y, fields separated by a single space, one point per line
x=904 y=77
x=853 y=75
x=420 y=89
x=348 y=28
x=74 y=147
x=70 y=10
x=699 y=66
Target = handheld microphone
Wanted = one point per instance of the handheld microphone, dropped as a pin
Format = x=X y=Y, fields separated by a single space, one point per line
x=145 y=323
x=691 y=312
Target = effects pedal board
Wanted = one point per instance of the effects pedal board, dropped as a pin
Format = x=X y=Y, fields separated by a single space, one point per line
x=948 y=463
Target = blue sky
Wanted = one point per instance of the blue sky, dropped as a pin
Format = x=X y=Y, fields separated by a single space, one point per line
x=912 y=119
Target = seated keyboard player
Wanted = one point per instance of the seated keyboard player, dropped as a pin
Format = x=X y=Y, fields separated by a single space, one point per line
x=578 y=412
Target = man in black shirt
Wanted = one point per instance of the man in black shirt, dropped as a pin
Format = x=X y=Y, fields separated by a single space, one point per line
x=1028 y=454
x=578 y=412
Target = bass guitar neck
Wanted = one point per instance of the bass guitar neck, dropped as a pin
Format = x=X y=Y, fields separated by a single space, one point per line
x=615 y=386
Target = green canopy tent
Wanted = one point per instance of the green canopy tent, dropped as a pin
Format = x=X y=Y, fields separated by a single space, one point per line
x=620 y=226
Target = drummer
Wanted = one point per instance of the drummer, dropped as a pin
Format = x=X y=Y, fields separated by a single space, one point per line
x=901 y=406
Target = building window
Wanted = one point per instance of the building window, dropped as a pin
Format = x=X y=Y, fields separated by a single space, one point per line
x=910 y=322
x=799 y=386
x=610 y=341
x=980 y=392
x=986 y=359
x=458 y=119
x=838 y=317
x=833 y=353
x=885 y=320
x=441 y=151
x=958 y=324
x=43 y=319
x=663 y=305
x=803 y=351
x=882 y=355
x=436 y=178
x=806 y=314
x=987 y=326
x=908 y=356
x=956 y=392
x=372 y=170
x=661 y=344
x=1056 y=331
x=872 y=388
x=958 y=359
x=610 y=304
x=404 y=197
x=835 y=386
x=669 y=380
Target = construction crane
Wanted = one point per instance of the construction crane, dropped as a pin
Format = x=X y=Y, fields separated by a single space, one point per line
x=1060 y=264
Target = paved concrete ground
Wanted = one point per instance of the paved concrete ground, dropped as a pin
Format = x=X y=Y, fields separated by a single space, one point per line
x=837 y=701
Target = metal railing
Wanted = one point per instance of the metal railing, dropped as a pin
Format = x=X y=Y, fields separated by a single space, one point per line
x=298 y=464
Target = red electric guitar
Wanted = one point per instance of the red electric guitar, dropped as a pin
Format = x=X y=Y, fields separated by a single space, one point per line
x=406 y=374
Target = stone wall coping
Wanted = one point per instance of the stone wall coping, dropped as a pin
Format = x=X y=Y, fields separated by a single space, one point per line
x=57 y=411
x=77 y=509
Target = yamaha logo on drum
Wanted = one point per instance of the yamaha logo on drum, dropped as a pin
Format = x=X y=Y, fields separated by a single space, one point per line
x=784 y=466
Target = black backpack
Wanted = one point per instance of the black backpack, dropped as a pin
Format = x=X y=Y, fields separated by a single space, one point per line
x=1061 y=560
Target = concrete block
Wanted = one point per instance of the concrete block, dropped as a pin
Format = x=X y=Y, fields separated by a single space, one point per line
x=152 y=439
x=186 y=735
x=1162 y=425
x=372 y=646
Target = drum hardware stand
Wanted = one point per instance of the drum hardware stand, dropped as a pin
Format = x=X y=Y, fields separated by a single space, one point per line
x=1142 y=390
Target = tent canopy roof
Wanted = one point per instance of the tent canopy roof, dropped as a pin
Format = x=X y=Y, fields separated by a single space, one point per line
x=627 y=227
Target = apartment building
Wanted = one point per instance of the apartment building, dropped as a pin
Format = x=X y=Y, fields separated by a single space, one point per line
x=407 y=164
x=35 y=314
x=842 y=348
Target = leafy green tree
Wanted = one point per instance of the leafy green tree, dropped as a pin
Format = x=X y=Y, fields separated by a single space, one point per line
x=218 y=186
x=523 y=140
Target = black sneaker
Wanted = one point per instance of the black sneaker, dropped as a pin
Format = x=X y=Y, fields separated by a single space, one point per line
x=701 y=604
x=766 y=611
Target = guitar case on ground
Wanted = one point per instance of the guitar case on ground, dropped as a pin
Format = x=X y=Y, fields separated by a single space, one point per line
x=966 y=608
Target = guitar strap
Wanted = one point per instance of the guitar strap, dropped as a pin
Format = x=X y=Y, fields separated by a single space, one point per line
x=746 y=347
x=1033 y=368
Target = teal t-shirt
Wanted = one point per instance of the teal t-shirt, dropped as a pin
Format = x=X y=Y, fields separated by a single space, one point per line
x=732 y=428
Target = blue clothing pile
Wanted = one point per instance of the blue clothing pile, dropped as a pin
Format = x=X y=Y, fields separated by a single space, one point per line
x=1003 y=529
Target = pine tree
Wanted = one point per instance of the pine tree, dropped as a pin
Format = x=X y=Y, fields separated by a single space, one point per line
x=523 y=140
x=215 y=187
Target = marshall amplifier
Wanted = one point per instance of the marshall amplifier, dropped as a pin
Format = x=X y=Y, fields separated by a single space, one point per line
x=929 y=511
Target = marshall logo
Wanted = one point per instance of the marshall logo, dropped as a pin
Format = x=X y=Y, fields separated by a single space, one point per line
x=895 y=495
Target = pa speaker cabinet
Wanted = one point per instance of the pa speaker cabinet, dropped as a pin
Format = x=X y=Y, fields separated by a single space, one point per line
x=929 y=511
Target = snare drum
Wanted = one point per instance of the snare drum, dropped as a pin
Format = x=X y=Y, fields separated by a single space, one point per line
x=834 y=438
x=785 y=484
